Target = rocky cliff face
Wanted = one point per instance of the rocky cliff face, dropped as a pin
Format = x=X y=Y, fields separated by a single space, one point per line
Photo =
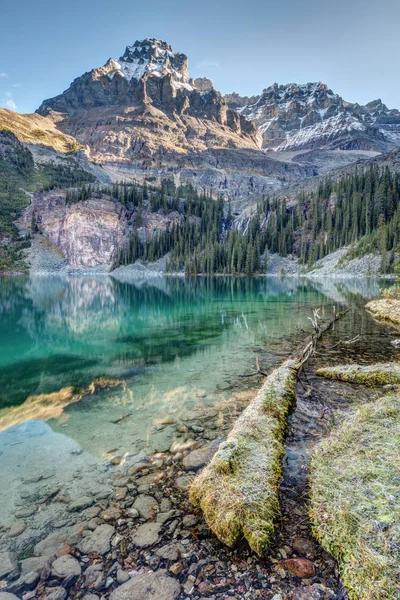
x=87 y=233
x=142 y=117
x=292 y=117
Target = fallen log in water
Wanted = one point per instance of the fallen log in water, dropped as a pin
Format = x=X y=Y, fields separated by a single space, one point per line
x=238 y=491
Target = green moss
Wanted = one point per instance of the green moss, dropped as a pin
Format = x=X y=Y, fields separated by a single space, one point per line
x=355 y=499
x=238 y=490
x=376 y=374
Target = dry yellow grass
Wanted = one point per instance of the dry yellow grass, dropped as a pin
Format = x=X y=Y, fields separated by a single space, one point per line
x=35 y=129
x=355 y=499
x=385 y=309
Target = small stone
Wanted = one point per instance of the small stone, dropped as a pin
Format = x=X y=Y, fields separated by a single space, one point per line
x=299 y=567
x=146 y=506
x=98 y=540
x=310 y=592
x=122 y=576
x=167 y=516
x=111 y=514
x=170 y=552
x=190 y=520
x=176 y=568
x=90 y=597
x=8 y=563
x=16 y=529
x=132 y=513
x=66 y=566
x=303 y=546
x=94 y=577
x=120 y=494
x=183 y=482
x=34 y=564
x=148 y=586
x=80 y=504
x=55 y=593
x=146 y=535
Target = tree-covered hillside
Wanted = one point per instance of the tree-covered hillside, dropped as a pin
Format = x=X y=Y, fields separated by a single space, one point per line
x=360 y=210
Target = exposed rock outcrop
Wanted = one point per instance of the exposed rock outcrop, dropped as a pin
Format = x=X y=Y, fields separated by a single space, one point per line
x=87 y=233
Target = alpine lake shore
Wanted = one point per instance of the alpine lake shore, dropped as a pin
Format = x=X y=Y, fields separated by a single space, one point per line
x=299 y=479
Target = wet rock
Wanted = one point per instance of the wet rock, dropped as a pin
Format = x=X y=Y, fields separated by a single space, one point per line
x=8 y=563
x=170 y=552
x=55 y=593
x=190 y=520
x=122 y=576
x=7 y=596
x=98 y=540
x=303 y=546
x=146 y=535
x=16 y=529
x=178 y=446
x=35 y=564
x=95 y=577
x=81 y=503
x=299 y=567
x=66 y=567
x=167 y=516
x=111 y=514
x=310 y=592
x=90 y=597
x=55 y=544
x=149 y=586
x=149 y=479
x=146 y=506
x=183 y=482
x=120 y=494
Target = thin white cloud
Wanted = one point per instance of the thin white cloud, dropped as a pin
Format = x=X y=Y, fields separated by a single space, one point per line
x=17 y=85
x=4 y=75
x=207 y=63
x=9 y=101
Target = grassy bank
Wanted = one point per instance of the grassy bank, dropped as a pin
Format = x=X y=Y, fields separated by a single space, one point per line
x=238 y=490
x=355 y=499
x=385 y=309
x=376 y=374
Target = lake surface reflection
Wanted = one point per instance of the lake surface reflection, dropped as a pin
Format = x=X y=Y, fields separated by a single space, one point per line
x=164 y=350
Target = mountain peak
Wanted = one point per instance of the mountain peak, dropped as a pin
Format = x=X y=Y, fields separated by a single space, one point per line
x=152 y=56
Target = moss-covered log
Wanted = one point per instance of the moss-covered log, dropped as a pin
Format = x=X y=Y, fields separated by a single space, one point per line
x=355 y=499
x=376 y=374
x=238 y=490
x=385 y=309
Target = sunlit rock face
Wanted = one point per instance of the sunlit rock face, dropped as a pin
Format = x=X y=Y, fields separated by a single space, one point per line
x=87 y=233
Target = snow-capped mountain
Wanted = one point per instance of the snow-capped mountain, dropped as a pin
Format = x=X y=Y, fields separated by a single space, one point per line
x=142 y=117
x=311 y=116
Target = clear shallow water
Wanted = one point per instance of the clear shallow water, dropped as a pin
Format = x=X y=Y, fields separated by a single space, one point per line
x=178 y=346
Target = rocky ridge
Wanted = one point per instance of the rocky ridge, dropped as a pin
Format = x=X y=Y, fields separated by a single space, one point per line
x=309 y=116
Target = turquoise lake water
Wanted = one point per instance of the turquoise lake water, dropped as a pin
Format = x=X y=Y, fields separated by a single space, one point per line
x=175 y=345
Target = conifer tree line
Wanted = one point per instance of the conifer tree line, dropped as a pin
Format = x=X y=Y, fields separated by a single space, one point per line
x=360 y=210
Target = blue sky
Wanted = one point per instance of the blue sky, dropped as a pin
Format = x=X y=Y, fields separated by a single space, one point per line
x=352 y=45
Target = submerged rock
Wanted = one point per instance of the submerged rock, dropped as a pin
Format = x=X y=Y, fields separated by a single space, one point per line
x=146 y=535
x=98 y=540
x=8 y=563
x=148 y=586
x=66 y=566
